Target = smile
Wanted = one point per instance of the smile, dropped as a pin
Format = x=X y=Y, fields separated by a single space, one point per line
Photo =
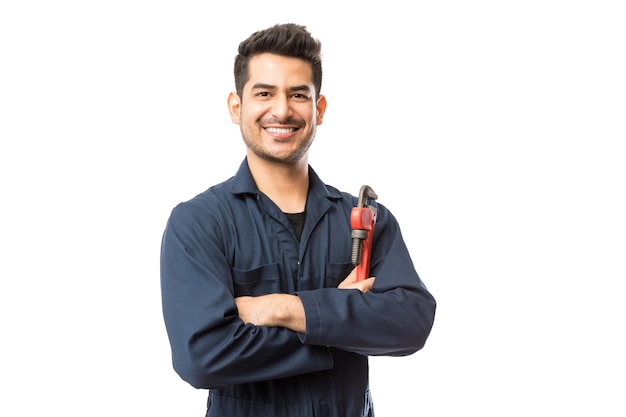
x=280 y=129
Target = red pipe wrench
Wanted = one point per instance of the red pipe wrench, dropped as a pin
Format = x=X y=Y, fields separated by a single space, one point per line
x=363 y=220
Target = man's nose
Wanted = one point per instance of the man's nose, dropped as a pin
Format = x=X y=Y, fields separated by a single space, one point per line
x=281 y=108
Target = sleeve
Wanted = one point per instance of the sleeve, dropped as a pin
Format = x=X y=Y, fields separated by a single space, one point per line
x=394 y=319
x=211 y=347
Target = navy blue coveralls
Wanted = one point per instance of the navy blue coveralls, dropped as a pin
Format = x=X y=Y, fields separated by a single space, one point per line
x=232 y=240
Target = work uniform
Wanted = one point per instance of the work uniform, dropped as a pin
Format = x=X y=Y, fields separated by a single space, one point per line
x=232 y=240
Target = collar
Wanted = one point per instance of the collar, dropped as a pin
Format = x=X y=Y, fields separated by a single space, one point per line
x=243 y=183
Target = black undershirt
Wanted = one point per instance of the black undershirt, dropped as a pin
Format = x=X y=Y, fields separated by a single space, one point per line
x=297 y=222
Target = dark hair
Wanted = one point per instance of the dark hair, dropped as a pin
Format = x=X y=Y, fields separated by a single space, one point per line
x=288 y=39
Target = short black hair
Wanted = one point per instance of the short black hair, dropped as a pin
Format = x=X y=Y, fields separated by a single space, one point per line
x=286 y=39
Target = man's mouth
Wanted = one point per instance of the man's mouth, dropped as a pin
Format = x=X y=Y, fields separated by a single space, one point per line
x=280 y=130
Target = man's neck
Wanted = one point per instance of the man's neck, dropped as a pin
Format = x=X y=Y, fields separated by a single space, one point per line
x=287 y=185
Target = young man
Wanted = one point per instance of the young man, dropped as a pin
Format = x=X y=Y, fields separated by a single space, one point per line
x=260 y=297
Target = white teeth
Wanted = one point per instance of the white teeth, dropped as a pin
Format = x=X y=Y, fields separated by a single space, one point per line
x=279 y=129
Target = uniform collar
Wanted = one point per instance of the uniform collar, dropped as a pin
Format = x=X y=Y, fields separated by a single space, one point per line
x=243 y=183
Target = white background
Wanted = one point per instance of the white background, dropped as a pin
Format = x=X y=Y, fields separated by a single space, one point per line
x=494 y=131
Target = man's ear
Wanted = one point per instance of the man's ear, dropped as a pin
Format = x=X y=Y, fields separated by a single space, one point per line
x=321 y=108
x=234 y=107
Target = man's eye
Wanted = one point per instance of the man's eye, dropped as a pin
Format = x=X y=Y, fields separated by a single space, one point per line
x=263 y=94
x=300 y=96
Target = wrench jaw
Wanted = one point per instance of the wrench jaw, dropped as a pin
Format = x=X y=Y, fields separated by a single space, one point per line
x=365 y=194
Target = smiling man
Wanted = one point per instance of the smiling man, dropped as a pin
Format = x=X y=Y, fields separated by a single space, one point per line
x=282 y=108
x=260 y=298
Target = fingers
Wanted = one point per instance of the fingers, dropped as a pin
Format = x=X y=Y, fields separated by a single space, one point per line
x=351 y=283
x=367 y=284
x=349 y=280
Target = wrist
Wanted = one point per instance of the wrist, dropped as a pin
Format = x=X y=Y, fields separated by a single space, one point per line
x=289 y=312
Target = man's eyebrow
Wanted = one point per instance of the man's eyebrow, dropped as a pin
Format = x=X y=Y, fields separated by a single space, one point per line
x=262 y=86
x=300 y=88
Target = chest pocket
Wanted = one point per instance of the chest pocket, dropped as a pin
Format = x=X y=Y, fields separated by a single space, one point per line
x=258 y=281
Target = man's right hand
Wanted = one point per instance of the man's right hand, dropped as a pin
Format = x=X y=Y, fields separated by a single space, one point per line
x=350 y=282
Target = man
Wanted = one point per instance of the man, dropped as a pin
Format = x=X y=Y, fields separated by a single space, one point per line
x=260 y=298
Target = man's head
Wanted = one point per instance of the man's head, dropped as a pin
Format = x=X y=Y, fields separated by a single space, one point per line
x=278 y=105
x=289 y=40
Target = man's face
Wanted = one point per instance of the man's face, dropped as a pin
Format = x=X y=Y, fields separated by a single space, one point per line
x=278 y=113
